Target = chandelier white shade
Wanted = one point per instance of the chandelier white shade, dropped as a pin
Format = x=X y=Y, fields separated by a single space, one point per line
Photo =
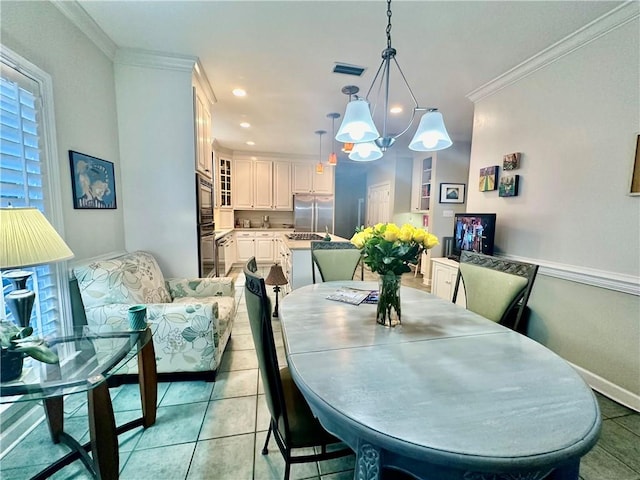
x=357 y=125
x=27 y=239
x=365 y=152
x=431 y=134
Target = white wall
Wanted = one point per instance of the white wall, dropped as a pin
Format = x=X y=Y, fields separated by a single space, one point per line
x=85 y=111
x=575 y=121
x=156 y=126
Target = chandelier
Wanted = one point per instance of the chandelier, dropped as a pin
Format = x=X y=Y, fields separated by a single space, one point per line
x=357 y=125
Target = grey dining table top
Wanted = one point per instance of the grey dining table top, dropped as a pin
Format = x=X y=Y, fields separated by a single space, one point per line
x=447 y=385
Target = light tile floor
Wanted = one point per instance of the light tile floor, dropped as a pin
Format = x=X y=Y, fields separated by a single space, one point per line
x=207 y=430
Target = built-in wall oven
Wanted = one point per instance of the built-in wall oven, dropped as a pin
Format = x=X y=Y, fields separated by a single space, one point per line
x=206 y=227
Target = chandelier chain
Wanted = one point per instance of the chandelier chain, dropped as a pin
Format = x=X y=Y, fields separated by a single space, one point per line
x=388 y=23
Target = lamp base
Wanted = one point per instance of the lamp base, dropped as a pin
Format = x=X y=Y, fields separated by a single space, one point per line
x=275 y=310
x=20 y=303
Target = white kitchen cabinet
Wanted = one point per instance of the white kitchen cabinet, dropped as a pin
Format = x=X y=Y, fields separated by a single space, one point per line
x=260 y=245
x=444 y=273
x=421 y=188
x=282 y=195
x=202 y=129
x=252 y=184
x=306 y=180
x=264 y=247
x=229 y=253
x=262 y=185
x=242 y=184
x=245 y=246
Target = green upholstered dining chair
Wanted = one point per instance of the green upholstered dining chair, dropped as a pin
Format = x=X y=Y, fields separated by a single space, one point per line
x=292 y=423
x=335 y=261
x=496 y=288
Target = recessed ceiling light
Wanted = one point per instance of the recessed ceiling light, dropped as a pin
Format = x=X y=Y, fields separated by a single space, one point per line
x=245 y=124
x=251 y=142
x=395 y=110
x=239 y=92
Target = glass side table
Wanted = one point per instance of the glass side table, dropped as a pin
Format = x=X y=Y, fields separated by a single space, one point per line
x=81 y=369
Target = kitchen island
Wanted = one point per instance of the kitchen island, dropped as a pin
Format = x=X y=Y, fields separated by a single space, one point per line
x=296 y=260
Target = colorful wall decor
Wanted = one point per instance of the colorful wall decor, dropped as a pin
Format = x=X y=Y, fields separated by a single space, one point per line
x=508 y=185
x=488 y=178
x=511 y=161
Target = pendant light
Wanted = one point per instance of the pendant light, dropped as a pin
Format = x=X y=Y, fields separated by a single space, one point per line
x=319 y=165
x=365 y=152
x=358 y=127
x=347 y=147
x=333 y=157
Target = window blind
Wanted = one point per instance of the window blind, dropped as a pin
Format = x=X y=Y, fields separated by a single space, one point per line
x=21 y=181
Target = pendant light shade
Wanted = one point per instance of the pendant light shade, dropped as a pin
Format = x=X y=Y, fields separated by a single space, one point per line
x=357 y=125
x=333 y=157
x=365 y=152
x=319 y=165
x=431 y=134
x=347 y=147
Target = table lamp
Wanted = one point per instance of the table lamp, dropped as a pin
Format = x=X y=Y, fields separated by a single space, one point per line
x=26 y=239
x=276 y=277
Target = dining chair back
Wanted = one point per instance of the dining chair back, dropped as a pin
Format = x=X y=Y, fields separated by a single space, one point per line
x=335 y=261
x=292 y=422
x=496 y=288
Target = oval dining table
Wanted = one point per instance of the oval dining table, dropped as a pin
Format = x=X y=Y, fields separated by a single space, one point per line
x=445 y=395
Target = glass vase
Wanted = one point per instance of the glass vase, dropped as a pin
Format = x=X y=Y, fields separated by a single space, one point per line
x=388 y=311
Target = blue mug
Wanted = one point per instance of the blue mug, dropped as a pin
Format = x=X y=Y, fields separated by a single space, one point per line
x=138 y=317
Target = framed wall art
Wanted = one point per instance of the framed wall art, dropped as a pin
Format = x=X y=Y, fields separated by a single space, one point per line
x=635 y=174
x=93 y=181
x=511 y=161
x=508 y=185
x=488 y=178
x=452 y=192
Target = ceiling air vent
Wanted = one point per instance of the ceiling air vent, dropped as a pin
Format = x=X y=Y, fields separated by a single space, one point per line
x=347 y=69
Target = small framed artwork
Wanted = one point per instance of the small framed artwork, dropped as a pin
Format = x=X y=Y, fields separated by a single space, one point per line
x=488 y=178
x=511 y=161
x=93 y=182
x=508 y=185
x=452 y=192
x=635 y=174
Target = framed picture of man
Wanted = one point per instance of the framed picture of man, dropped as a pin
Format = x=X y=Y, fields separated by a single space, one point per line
x=93 y=182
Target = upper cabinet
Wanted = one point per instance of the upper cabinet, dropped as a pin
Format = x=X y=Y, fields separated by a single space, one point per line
x=262 y=185
x=421 y=189
x=306 y=180
x=202 y=106
x=224 y=183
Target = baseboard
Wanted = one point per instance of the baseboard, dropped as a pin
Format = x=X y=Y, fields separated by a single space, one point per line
x=610 y=390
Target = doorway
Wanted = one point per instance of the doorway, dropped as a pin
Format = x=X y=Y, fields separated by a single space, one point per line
x=378 y=203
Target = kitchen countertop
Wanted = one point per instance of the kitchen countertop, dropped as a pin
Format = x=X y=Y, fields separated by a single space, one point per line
x=291 y=244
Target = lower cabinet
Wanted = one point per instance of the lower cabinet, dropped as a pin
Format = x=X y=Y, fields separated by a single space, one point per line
x=443 y=280
x=255 y=244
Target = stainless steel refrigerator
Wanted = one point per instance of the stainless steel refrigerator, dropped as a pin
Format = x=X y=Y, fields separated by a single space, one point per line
x=313 y=213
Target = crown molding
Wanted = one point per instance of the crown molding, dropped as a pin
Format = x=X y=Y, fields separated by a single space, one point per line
x=152 y=59
x=608 y=22
x=81 y=19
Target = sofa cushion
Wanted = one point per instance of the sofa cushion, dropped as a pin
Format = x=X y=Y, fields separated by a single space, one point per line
x=131 y=279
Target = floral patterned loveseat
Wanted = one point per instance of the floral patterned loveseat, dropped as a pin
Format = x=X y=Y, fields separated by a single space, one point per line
x=191 y=319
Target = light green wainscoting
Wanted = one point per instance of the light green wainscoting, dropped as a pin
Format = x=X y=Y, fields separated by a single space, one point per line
x=596 y=329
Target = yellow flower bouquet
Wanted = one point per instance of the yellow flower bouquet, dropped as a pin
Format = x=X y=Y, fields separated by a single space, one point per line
x=389 y=250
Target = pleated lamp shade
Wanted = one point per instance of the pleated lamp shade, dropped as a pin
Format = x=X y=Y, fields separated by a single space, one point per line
x=27 y=239
x=276 y=276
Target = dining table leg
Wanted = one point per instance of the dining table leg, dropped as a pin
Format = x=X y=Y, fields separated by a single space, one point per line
x=569 y=471
x=148 y=380
x=368 y=462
